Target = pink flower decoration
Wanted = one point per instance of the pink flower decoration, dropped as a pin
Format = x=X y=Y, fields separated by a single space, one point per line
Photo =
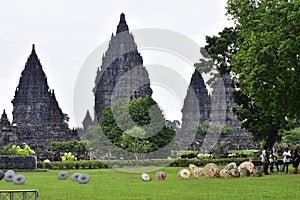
x=161 y=176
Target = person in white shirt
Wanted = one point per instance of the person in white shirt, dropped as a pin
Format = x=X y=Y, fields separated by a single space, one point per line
x=264 y=160
x=286 y=160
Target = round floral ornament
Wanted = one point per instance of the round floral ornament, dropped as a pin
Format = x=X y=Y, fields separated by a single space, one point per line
x=161 y=176
x=145 y=177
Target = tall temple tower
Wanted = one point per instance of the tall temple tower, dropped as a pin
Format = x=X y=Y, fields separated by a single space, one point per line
x=34 y=103
x=196 y=107
x=122 y=74
x=37 y=117
x=199 y=106
x=6 y=133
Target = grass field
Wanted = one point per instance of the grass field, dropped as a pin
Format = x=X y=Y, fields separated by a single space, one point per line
x=111 y=184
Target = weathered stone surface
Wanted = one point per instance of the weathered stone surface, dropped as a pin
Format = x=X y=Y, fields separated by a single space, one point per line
x=214 y=107
x=195 y=109
x=87 y=121
x=37 y=117
x=122 y=74
x=4 y=122
x=18 y=162
x=6 y=132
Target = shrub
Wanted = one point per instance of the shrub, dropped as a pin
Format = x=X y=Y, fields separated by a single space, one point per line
x=17 y=150
x=68 y=157
x=97 y=164
x=202 y=162
x=82 y=164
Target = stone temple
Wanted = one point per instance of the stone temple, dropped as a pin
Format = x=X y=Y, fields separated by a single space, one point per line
x=199 y=106
x=37 y=117
x=122 y=74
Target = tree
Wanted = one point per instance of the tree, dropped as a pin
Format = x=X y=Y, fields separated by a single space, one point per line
x=221 y=49
x=208 y=127
x=290 y=138
x=124 y=116
x=267 y=60
x=252 y=53
x=98 y=144
x=133 y=141
x=70 y=146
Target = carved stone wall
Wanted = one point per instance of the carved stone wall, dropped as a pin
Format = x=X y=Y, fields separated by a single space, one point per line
x=215 y=108
x=122 y=74
x=37 y=117
x=18 y=162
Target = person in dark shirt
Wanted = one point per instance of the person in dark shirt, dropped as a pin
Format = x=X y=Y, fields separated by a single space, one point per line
x=296 y=159
x=274 y=159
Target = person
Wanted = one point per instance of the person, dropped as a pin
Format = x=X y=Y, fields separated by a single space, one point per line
x=286 y=160
x=274 y=159
x=264 y=160
x=296 y=159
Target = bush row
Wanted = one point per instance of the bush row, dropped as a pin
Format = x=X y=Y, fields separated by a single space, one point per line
x=144 y=163
x=97 y=164
x=202 y=162
x=82 y=164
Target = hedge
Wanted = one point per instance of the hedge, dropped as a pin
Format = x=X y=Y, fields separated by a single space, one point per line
x=97 y=164
x=82 y=164
x=201 y=162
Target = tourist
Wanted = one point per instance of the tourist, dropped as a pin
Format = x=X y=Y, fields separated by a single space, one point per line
x=286 y=160
x=274 y=159
x=264 y=160
x=296 y=159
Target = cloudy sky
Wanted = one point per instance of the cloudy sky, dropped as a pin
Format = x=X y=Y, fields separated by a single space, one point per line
x=67 y=31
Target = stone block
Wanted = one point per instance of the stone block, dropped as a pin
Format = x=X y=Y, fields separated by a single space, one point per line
x=18 y=162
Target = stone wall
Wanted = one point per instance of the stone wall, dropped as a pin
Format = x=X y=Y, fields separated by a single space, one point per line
x=17 y=162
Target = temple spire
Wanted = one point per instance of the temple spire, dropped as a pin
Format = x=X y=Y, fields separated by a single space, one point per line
x=33 y=50
x=121 y=57
x=122 y=24
x=4 y=122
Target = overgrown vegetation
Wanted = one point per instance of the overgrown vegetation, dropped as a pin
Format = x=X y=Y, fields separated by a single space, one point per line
x=16 y=150
x=74 y=147
x=129 y=129
x=261 y=54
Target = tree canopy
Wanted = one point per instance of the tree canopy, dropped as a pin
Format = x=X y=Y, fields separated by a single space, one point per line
x=124 y=117
x=70 y=146
x=261 y=53
x=267 y=60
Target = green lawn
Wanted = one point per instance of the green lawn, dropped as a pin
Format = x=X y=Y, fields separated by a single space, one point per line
x=111 y=184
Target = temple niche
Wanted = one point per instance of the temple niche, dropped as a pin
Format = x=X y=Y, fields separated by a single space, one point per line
x=37 y=117
x=122 y=74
